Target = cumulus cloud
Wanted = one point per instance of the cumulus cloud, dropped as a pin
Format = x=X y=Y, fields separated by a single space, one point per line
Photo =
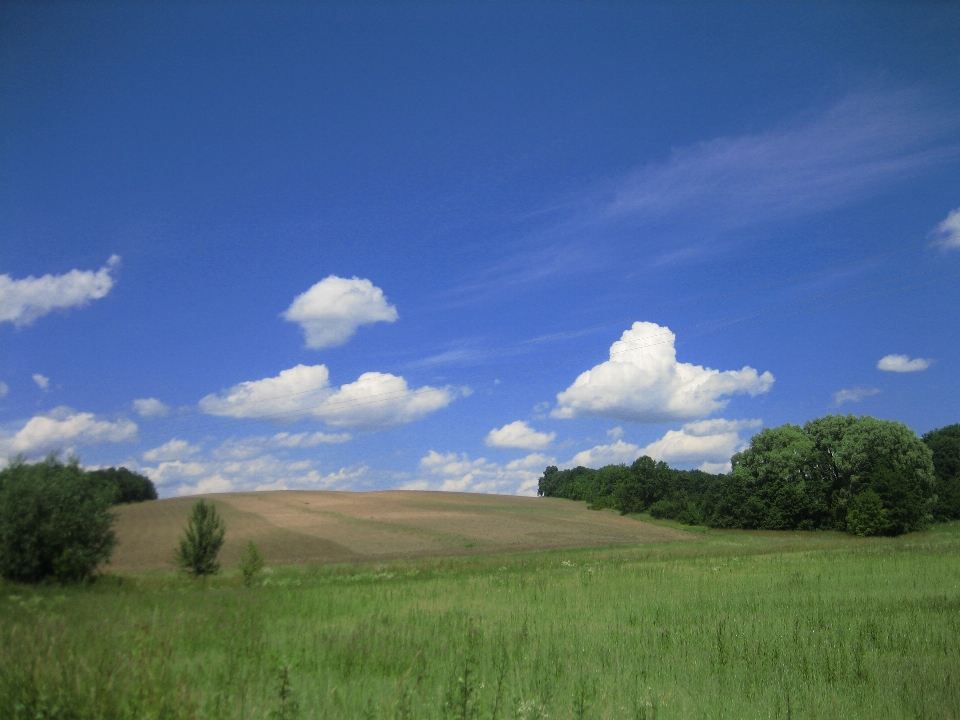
x=375 y=400
x=948 y=231
x=150 y=408
x=458 y=473
x=615 y=433
x=903 y=364
x=519 y=435
x=854 y=394
x=24 y=301
x=642 y=382
x=63 y=426
x=172 y=450
x=708 y=444
x=331 y=311
x=42 y=382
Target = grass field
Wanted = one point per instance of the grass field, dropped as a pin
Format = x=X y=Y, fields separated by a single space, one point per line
x=717 y=625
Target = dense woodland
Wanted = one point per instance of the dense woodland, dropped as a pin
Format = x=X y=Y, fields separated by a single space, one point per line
x=840 y=472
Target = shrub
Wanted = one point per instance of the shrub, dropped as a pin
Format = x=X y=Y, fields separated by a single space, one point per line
x=54 y=521
x=251 y=563
x=202 y=540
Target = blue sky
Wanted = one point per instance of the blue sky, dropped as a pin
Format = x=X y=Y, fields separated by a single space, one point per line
x=360 y=246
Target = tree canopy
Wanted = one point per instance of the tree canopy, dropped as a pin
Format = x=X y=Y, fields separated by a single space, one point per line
x=839 y=472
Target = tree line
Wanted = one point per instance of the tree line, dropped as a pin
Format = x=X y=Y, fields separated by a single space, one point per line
x=840 y=472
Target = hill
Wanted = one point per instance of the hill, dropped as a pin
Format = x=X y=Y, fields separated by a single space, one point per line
x=324 y=526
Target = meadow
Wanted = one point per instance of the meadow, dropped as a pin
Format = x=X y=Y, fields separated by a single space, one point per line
x=721 y=624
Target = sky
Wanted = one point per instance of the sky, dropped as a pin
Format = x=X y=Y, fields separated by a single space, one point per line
x=445 y=245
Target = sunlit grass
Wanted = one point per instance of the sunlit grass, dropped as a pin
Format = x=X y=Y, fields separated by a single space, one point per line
x=735 y=624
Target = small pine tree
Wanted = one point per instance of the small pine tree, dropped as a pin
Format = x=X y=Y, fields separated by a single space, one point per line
x=251 y=563
x=202 y=540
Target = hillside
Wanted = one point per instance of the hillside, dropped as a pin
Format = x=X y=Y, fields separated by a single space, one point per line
x=314 y=527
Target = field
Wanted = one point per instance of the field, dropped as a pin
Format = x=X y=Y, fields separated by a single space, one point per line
x=294 y=527
x=718 y=624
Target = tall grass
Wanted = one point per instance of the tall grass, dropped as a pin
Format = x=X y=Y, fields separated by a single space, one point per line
x=737 y=625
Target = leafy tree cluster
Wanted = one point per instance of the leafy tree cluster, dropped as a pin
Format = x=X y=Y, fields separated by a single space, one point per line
x=55 y=519
x=945 y=445
x=860 y=475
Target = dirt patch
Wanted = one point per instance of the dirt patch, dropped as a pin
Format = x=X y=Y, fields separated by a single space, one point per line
x=292 y=526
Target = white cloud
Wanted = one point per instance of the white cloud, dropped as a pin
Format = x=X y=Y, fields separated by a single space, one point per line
x=331 y=311
x=854 y=394
x=24 y=301
x=62 y=426
x=903 y=364
x=150 y=408
x=457 y=473
x=519 y=435
x=643 y=382
x=375 y=400
x=949 y=231
x=171 y=450
x=615 y=433
x=615 y=454
x=707 y=443
x=303 y=439
x=4 y=389
x=42 y=382
x=222 y=473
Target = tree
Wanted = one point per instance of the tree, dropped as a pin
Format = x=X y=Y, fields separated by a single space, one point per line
x=945 y=445
x=251 y=563
x=131 y=487
x=55 y=521
x=202 y=540
x=889 y=459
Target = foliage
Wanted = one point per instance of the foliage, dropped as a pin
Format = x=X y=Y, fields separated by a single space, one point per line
x=867 y=515
x=54 y=521
x=131 y=487
x=789 y=478
x=251 y=564
x=945 y=445
x=731 y=625
x=202 y=540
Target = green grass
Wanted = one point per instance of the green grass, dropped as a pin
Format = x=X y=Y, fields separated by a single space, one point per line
x=733 y=625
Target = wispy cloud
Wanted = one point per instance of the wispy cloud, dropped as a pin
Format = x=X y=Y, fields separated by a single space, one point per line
x=677 y=208
x=859 y=146
x=854 y=394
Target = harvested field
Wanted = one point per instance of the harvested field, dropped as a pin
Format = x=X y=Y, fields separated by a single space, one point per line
x=322 y=527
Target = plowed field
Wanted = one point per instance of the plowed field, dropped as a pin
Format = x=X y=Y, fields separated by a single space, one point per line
x=322 y=527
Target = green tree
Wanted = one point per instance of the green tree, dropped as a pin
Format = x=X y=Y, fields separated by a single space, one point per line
x=202 y=540
x=889 y=459
x=131 y=487
x=251 y=563
x=55 y=521
x=945 y=445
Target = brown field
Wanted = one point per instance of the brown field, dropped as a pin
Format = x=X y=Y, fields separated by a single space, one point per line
x=328 y=527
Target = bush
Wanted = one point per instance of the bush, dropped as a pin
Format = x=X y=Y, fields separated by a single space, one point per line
x=203 y=538
x=54 y=521
x=251 y=563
